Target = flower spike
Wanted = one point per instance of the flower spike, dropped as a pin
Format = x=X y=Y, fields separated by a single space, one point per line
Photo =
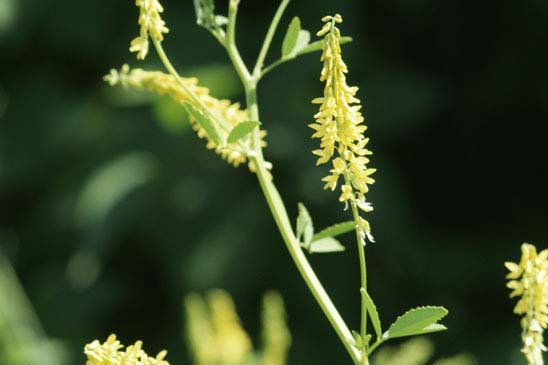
x=529 y=281
x=340 y=127
x=151 y=24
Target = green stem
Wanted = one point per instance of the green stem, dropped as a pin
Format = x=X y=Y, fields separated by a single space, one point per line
x=281 y=218
x=230 y=46
x=268 y=39
x=270 y=192
x=374 y=346
x=273 y=65
x=363 y=271
x=169 y=67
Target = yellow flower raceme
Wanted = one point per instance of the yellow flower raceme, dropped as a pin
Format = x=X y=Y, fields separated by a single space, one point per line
x=340 y=127
x=110 y=353
x=227 y=113
x=275 y=334
x=151 y=24
x=529 y=281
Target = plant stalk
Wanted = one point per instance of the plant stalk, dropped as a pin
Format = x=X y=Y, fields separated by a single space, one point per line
x=281 y=218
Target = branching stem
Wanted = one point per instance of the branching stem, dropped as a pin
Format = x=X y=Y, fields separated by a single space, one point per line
x=271 y=194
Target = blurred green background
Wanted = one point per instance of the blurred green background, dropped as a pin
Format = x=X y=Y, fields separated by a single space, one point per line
x=111 y=209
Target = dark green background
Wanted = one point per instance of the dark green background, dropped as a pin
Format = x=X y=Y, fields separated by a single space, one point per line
x=456 y=99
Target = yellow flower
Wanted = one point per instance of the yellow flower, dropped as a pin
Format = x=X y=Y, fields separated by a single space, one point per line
x=529 y=281
x=229 y=114
x=347 y=193
x=151 y=24
x=110 y=353
x=340 y=126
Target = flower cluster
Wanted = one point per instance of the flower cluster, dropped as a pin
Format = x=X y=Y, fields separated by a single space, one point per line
x=340 y=127
x=529 y=281
x=110 y=353
x=226 y=112
x=151 y=24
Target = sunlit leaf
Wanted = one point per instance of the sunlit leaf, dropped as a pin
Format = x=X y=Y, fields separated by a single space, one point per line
x=335 y=230
x=325 y=245
x=417 y=321
x=305 y=227
x=291 y=37
x=373 y=314
x=204 y=122
x=241 y=130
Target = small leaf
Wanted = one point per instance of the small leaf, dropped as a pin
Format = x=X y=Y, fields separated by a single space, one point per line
x=291 y=36
x=318 y=45
x=305 y=228
x=417 y=321
x=302 y=41
x=357 y=339
x=372 y=310
x=325 y=245
x=204 y=122
x=241 y=130
x=335 y=230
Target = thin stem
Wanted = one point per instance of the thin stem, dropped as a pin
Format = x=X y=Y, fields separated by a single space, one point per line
x=167 y=64
x=270 y=192
x=363 y=270
x=268 y=39
x=281 y=218
x=374 y=346
x=230 y=45
x=273 y=65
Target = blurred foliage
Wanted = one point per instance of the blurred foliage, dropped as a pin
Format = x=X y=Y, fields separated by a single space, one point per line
x=22 y=339
x=418 y=351
x=216 y=337
x=456 y=97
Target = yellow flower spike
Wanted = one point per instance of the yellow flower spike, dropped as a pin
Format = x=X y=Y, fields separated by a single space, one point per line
x=232 y=341
x=340 y=126
x=110 y=353
x=151 y=24
x=230 y=114
x=529 y=281
x=275 y=335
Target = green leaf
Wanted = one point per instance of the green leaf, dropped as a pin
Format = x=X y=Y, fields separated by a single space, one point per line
x=318 y=45
x=305 y=228
x=357 y=339
x=325 y=245
x=335 y=230
x=204 y=122
x=241 y=130
x=417 y=321
x=302 y=41
x=372 y=310
x=291 y=36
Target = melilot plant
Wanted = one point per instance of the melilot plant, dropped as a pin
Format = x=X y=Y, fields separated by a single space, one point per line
x=237 y=134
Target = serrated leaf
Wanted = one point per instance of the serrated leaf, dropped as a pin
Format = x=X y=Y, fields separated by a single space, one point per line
x=318 y=45
x=373 y=314
x=241 y=130
x=325 y=245
x=335 y=230
x=204 y=122
x=305 y=227
x=417 y=321
x=291 y=36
